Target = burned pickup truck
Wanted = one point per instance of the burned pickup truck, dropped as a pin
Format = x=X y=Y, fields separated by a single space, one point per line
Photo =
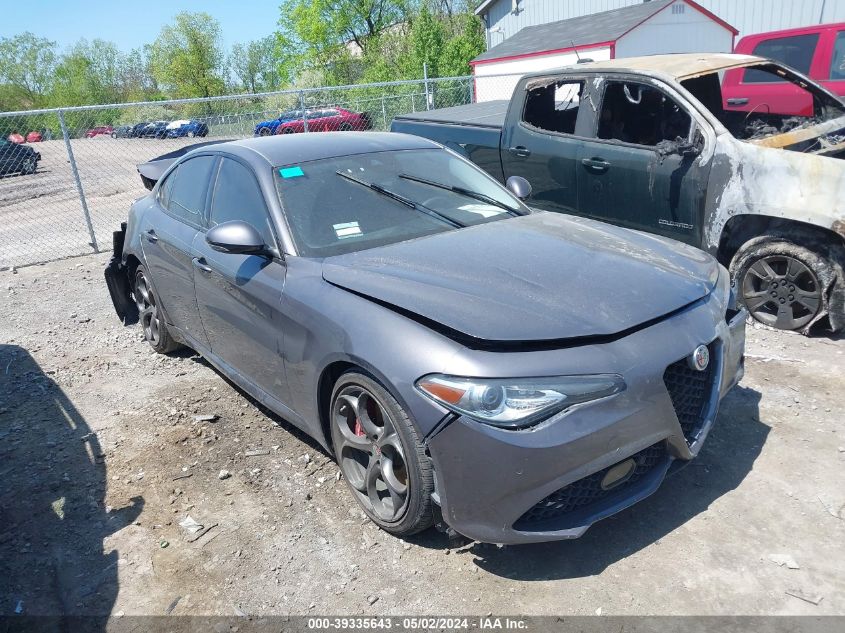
x=649 y=143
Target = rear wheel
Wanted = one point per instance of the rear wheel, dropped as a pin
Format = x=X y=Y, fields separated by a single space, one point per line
x=29 y=165
x=345 y=127
x=265 y=131
x=150 y=314
x=380 y=455
x=781 y=284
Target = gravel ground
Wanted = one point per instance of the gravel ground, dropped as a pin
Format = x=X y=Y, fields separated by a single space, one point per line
x=102 y=456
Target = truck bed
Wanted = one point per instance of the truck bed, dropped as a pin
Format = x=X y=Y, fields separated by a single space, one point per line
x=472 y=130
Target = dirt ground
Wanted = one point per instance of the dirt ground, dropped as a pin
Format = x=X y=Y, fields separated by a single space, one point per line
x=41 y=216
x=101 y=458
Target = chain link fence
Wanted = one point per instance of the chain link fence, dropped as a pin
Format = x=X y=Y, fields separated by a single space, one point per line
x=69 y=175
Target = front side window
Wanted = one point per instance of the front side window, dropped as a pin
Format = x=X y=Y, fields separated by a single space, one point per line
x=554 y=106
x=351 y=203
x=837 y=62
x=641 y=114
x=238 y=197
x=796 y=51
x=186 y=189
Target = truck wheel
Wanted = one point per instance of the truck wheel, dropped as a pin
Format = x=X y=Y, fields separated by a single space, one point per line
x=380 y=455
x=781 y=284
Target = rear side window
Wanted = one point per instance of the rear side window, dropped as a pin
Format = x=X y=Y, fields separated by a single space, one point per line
x=796 y=51
x=554 y=106
x=837 y=63
x=237 y=196
x=185 y=189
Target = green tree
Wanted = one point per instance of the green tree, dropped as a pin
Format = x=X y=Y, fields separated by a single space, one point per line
x=255 y=65
x=27 y=63
x=466 y=43
x=187 y=56
x=88 y=73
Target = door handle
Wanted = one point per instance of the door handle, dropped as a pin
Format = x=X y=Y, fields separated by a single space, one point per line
x=151 y=236
x=597 y=165
x=736 y=101
x=199 y=262
x=520 y=151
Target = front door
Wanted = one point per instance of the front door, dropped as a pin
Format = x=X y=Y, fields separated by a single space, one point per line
x=168 y=230
x=543 y=145
x=239 y=296
x=629 y=172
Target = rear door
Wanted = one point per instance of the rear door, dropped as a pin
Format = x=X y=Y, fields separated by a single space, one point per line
x=541 y=141
x=625 y=174
x=168 y=231
x=832 y=52
x=751 y=90
x=239 y=296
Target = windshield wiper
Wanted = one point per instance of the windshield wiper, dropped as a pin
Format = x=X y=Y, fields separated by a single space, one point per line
x=469 y=193
x=401 y=199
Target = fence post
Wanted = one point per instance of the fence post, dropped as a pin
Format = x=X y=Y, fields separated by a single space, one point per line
x=425 y=79
x=79 y=188
x=383 y=112
x=302 y=107
x=471 y=91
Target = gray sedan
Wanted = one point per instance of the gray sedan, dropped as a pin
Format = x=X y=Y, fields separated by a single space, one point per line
x=515 y=375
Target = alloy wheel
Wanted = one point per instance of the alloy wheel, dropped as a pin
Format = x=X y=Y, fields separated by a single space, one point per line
x=370 y=453
x=147 y=309
x=782 y=292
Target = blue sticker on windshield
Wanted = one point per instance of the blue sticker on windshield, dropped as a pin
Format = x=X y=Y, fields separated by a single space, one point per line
x=291 y=172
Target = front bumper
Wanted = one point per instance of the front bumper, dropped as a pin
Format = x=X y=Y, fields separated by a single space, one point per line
x=544 y=483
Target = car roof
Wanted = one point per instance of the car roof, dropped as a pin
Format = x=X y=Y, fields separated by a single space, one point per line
x=286 y=149
x=676 y=66
x=800 y=30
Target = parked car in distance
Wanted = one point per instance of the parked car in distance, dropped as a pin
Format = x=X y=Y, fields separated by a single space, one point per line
x=327 y=120
x=138 y=129
x=655 y=150
x=17 y=138
x=414 y=317
x=17 y=158
x=122 y=131
x=155 y=129
x=102 y=130
x=267 y=128
x=186 y=127
x=815 y=51
x=34 y=137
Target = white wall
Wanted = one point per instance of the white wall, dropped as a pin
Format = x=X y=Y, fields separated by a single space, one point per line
x=490 y=86
x=679 y=28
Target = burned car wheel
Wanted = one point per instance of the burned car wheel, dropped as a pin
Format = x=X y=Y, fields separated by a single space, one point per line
x=150 y=314
x=781 y=284
x=380 y=456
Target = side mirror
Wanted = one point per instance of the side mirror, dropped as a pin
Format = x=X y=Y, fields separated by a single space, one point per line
x=236 y=237
x=519 y=187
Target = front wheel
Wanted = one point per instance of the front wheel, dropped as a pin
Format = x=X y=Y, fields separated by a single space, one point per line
x=782 y=284
x=28 y=166
x=265 y=131
x=380 y=455
x=150 y=314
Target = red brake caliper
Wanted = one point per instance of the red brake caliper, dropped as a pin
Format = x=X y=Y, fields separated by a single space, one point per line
x=359 y=430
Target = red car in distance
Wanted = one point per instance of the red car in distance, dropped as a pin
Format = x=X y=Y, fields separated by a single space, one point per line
x=98 y=131
x=14 y=137
x=815 y=51
x=327 y=120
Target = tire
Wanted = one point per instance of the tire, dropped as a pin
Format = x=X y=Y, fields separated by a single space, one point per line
x=287 y=130
x=28 y=166
x=265 y=131
x=190 y=135
x=150 y=315
x=345 y=127
x=781 y=284
x=114 y=134
x=372 y=435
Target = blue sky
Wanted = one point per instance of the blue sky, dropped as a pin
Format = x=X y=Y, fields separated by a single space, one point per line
x=129 y=23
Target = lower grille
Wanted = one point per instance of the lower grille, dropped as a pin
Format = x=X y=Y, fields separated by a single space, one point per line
x=690 y=391
x=588 y=490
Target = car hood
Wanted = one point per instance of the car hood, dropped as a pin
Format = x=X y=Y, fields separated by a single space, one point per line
x=539 y=277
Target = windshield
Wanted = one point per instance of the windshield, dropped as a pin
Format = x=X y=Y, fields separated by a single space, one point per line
x=351 y=203
x=764 y=103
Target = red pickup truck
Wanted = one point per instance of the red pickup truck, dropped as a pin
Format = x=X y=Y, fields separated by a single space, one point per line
x=815 y=51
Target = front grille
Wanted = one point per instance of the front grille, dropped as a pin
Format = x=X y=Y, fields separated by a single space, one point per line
x=690 y=392
x=588 y=490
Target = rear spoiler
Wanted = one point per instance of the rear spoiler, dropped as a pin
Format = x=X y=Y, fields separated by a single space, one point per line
x=152 y=170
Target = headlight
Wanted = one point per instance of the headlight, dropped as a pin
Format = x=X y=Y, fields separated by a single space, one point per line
x=516 y=402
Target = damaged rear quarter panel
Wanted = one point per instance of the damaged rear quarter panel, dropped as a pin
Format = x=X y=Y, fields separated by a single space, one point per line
x=750 y=179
